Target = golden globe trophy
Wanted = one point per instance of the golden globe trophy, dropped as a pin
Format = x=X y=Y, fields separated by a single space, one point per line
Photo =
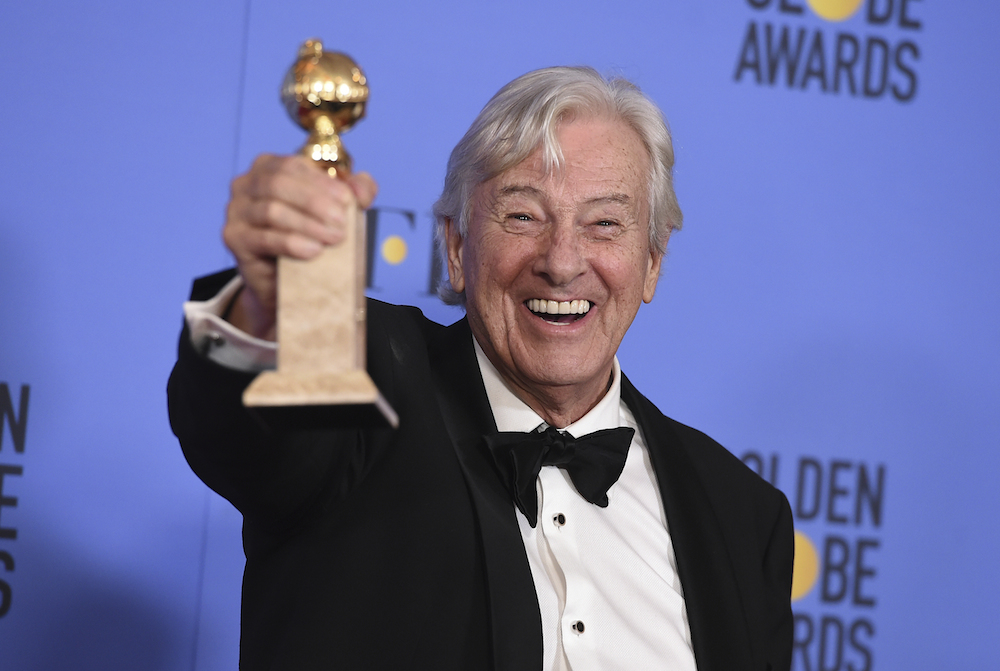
x=321 y=376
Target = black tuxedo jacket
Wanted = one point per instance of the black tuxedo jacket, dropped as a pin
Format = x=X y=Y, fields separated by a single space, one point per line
x=396 y=549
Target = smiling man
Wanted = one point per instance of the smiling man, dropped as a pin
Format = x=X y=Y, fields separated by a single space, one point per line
x=533 y=510
x=556 y=258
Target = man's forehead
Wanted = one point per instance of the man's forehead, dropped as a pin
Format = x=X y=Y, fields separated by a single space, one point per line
x=603 y=161
x=518 y=188
x=622 y=184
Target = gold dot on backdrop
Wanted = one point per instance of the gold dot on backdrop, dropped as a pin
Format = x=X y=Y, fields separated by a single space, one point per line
x=394 y=249
x=835 y=10
x=806 y=566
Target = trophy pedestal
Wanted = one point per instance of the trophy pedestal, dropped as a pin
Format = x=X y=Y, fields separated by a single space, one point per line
x=321 y=343
x=310 y=400
x=352 y=387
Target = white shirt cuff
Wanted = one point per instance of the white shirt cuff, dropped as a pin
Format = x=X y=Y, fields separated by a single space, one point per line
x=223 y=343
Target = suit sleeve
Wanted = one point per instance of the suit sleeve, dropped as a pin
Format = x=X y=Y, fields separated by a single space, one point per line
x=271 y=477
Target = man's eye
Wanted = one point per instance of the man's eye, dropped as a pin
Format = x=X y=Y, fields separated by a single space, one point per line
x=605 y=229
x=520 y=223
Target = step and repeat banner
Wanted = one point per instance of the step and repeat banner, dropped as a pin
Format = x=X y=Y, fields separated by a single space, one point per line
x=830 y=312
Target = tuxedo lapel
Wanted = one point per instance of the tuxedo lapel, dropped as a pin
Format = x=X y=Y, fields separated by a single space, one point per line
x=515 y=617
x=715 y=610
x=716 y=614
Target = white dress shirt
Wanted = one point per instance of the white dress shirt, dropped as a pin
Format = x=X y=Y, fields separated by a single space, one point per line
x=606 y=578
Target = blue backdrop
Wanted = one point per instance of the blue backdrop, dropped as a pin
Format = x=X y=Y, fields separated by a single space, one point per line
x=830 y=311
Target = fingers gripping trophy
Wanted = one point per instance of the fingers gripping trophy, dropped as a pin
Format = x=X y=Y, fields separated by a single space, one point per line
x=321 y=304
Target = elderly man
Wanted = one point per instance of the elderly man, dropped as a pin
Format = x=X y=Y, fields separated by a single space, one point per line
x=532 y=510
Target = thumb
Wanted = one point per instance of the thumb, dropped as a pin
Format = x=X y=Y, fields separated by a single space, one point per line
x=364 y=188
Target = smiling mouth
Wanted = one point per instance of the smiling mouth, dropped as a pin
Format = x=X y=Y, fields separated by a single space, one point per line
x=558 y=312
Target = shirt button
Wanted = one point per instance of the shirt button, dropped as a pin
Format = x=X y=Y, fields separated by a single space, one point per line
x=577 y=627
x=559 y=519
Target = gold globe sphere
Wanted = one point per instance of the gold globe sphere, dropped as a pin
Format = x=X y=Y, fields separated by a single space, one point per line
x=325 y=92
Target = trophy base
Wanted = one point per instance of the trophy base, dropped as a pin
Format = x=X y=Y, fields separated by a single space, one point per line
x=307 y=400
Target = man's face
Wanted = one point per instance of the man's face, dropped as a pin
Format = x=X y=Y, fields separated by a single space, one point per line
x=554 y=266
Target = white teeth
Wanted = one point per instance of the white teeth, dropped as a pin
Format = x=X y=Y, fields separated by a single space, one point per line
x=542 y=306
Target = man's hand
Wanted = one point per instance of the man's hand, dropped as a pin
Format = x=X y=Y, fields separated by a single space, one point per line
x=284 y=206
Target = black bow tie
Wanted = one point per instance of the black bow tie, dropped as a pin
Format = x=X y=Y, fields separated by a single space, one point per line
x=594 y=462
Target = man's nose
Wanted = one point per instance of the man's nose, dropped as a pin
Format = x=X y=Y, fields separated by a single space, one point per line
x=560 y=257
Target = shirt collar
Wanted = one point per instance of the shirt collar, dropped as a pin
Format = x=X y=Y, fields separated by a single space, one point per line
x=512 y=414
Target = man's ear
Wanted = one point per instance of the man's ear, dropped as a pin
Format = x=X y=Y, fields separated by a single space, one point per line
x=456 y=244
x=652 y=274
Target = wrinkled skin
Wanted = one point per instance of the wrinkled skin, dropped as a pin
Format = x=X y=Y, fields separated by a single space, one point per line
x=580 y=233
